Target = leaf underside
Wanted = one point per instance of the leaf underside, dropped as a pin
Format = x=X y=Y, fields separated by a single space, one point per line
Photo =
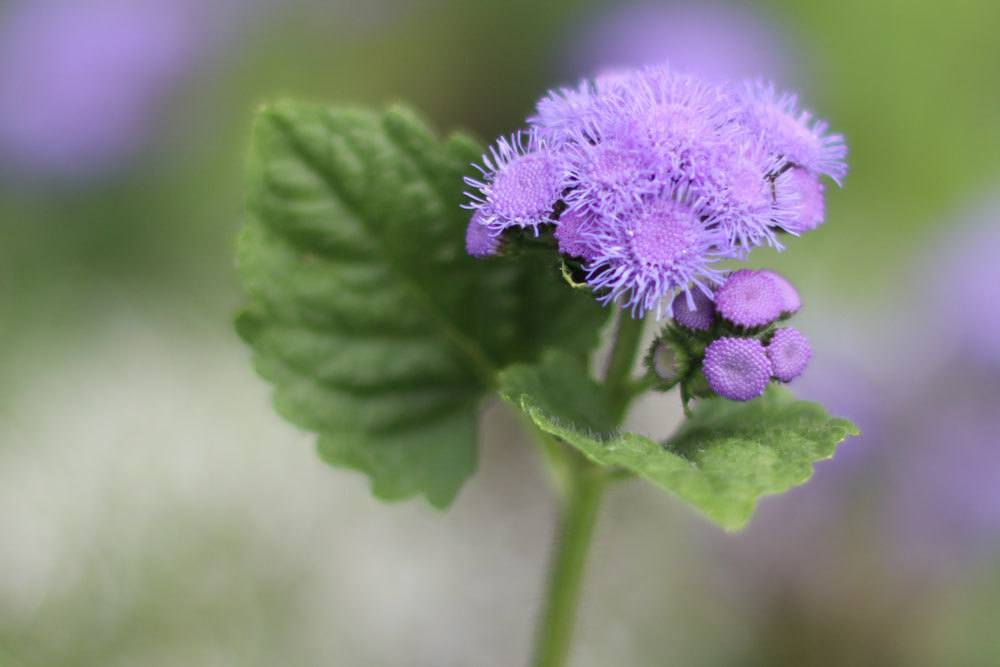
x=376 y=329
x=721 y=460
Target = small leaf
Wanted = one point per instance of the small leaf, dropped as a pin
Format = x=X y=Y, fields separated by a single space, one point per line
x=721 y=460
x=377 y=330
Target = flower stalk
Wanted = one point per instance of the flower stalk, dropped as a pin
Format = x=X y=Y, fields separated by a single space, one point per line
x=583 y=485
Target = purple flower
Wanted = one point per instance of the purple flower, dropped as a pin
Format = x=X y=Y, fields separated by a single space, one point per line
x=749 y=298
x=522 y=181
x=82 y=83
x=737 y=368
x=793 y=134
x=790 y=300
x=694 y=310
x=573 y=235
x=789 y=353
x=608 y=177
x=660 y=246
x=681 y=123
x=657 y=176
x=561 y=112
x=804 y=192
x=479 y=240
x=745 y=196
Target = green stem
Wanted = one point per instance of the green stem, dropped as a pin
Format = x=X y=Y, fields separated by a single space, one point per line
x=584 y=484
x=576 y=527
x=621 y=363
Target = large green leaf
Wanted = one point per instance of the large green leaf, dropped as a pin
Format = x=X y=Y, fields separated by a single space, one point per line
x=377 y=330
x=721 y=460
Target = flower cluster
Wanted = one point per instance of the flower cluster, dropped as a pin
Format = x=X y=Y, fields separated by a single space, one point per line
x=733 y=347
x=649 y=177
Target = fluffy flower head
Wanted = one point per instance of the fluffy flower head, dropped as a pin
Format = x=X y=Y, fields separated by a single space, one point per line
x=522 y=181
x=573 y=234
x=562 y=111
x=744 y=193
x=660 y=246
x=804 y=192
x=679 y=121
x=793 y=133
x=650 y=177
x=479 y=240
x=608 y=177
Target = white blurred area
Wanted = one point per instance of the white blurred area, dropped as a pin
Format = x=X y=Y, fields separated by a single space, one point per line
x=155 y=511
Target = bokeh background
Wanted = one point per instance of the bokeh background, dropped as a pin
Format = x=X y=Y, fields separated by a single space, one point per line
x=154 y=510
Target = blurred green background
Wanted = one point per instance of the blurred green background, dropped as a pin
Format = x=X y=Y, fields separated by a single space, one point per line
x=154 y=510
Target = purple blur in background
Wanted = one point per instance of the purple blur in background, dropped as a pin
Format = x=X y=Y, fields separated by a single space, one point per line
x=965 y=309
x=713 y=40
x=946 y=502
x=945 y=506
x=83 y=83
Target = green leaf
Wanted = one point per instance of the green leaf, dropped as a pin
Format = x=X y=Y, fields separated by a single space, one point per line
x=720 y=461
x=377 y=330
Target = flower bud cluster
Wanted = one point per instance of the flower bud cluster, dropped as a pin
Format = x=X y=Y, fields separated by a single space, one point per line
x=733 y=346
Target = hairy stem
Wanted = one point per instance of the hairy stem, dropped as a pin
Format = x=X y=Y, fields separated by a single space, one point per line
x=584 y=484
x=576 y=527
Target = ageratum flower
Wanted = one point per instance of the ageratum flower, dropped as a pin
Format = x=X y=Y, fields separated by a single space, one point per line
x=803 y=193
x=651 y=177
x=522 y=181
x=749 y=201
x=664 y=243
x=792 y=133
x=479 y=240
x=564 y=112
x=737 y=368
x=574 y=235
x=789 y=352
x=608 y=177
x=560 y=114
x=681 y=123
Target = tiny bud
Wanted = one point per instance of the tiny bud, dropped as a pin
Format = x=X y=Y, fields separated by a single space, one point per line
x=664 y=363
x=750 y=299
x=697 y=318
x=737 y=368
x=789 y=352
x=790 y=301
